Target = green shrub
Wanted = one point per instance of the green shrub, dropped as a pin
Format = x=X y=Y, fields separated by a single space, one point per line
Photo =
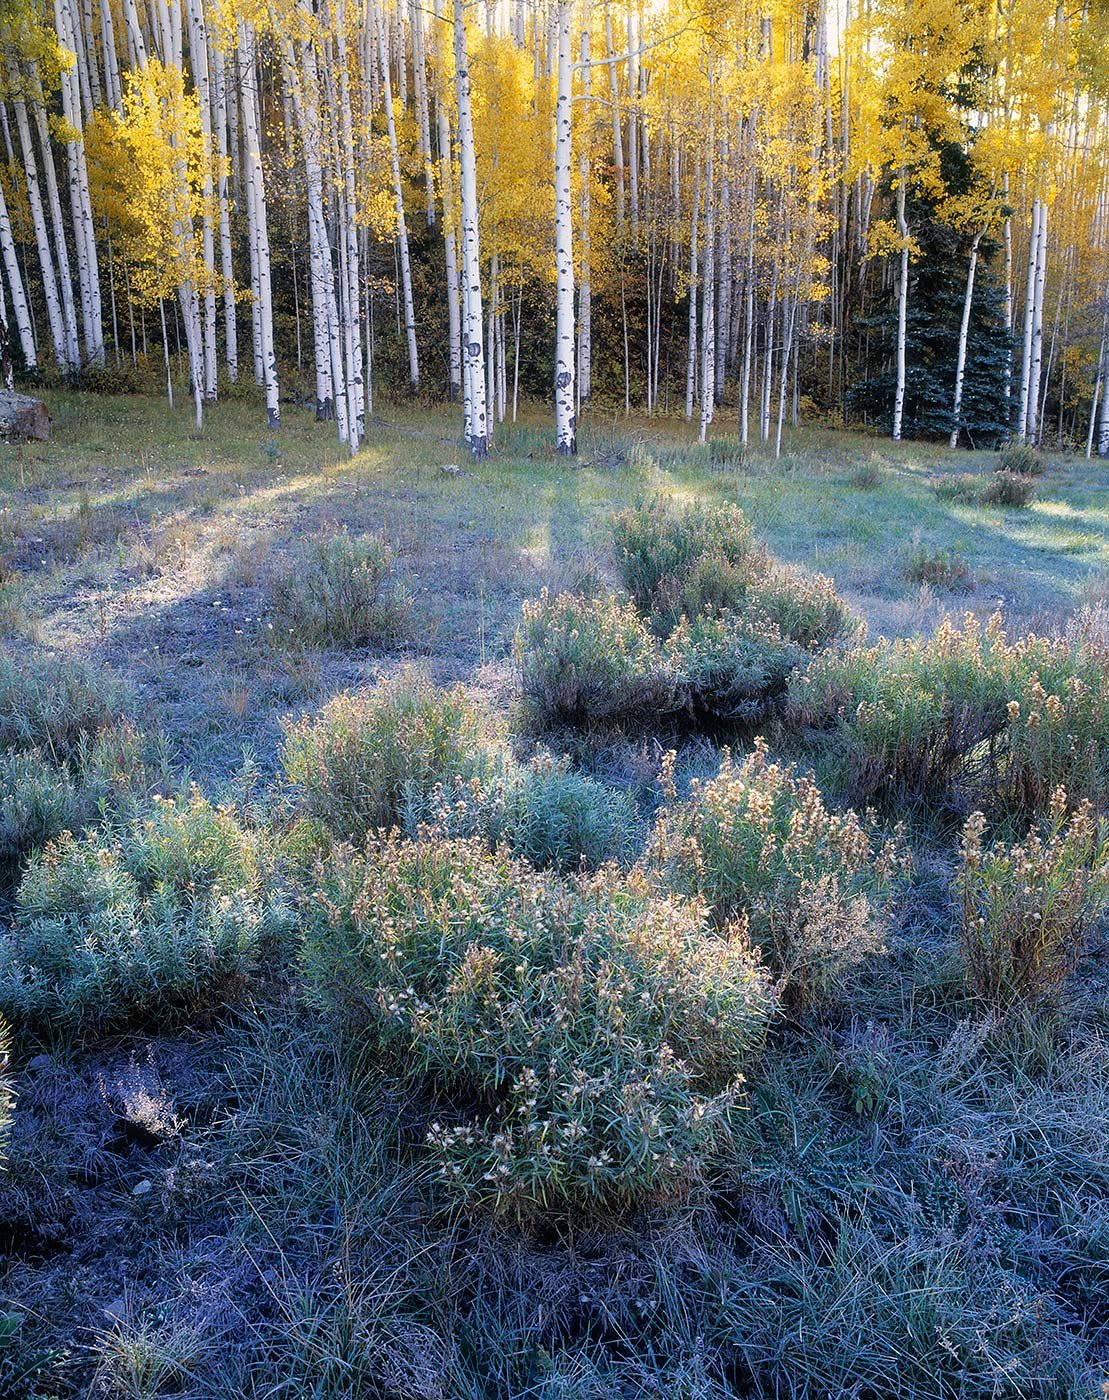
x=340 y=591
x=1027 y=908
x=603 y=1029
x=39 y=799
x=542 y=811
x=709 y=583
x=52 y=703
x=1005 y=488
x=731 y=668
x=586 y=659
x=757 y=843
x=963 y=717
x=938 y=567
x=357 y=763
x=1021 y=459
x=657 y=544
x=162 y=920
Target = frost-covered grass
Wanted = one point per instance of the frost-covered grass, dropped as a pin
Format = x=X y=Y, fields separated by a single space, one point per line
x=235 y=1195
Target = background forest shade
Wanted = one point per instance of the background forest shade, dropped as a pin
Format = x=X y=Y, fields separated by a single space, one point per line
x=759 y=214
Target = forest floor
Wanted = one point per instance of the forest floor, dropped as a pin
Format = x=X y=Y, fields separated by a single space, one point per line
x=239 y=1210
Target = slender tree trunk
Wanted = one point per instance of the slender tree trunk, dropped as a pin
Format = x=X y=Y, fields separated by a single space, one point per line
x=902 y=310
x=477 y=428
x=565 y=420
x=398 y=201
x=964 y=331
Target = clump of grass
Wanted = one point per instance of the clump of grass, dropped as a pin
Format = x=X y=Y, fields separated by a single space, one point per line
x=1028 y=907
x=357 y=764
x=939 y=568
x=161 y=921
x=587 y=659
x=1006 y=488
x=600 y=1025
x=341 y=591
x=962 y=488
x=868 y=475
x=53 y=703
x=758 y=844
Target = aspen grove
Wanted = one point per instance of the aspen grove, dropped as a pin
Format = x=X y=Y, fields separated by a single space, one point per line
x=755 y=215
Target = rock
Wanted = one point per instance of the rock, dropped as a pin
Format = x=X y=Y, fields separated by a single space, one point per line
x=23 y=418
x=451 y=469
x=144 y=1188
x=40 y=1062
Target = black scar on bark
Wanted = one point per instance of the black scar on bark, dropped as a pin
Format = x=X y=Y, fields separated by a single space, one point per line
x=473 y=349
x=563 y=380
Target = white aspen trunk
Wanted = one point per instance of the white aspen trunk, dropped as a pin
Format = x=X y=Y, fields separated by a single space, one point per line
x=585 y=290
x=787 y=355
x=58 y=228
x=902 y=310
x=352 y=284
x=565 y=419
x=964 y=332
x=80 y=204
x=1007 y=240
x=477 y=430
x=256 y=217
x=1103 y=423
x=691 y=351
x=1029 y=316
x=633 y=128
x=112 y=84
x=398 y=201
x=617 y=127
x=1033 y=426
x=450 y=241
x=198 y=55
x=423 y=116
x=708 y=295
x=64 y=351
x=15 y=285
x=227 y=266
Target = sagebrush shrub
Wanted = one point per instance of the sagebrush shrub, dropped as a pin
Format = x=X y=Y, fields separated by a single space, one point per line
x=586 y=659
x=962 y=488
x=757 y=842
x=709 y=583
x=804 y=607
x=356 y=764
x=51 y=703
x=964 y=716
x=1006 y=488
x=162 y=919
x=602 y=1026
x=341 y=591
x=542 y=811
x=1021 y=459
x=657 y=545
x=731 y=668
x=1027 y=908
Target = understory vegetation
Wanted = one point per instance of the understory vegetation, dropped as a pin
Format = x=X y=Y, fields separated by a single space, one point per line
x=670 y=990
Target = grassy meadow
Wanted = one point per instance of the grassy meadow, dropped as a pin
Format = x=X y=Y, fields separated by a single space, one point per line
x=624 y=1066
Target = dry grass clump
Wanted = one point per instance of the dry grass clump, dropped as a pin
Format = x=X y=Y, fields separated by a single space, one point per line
x=358 y=763
x=600 y=1027
x=1021 y=459
x=340 y=591
x=939 y=568
x=963 y=717
x=811 y=886
x=161 y=921
x=732 y=669
x=1028 y=907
